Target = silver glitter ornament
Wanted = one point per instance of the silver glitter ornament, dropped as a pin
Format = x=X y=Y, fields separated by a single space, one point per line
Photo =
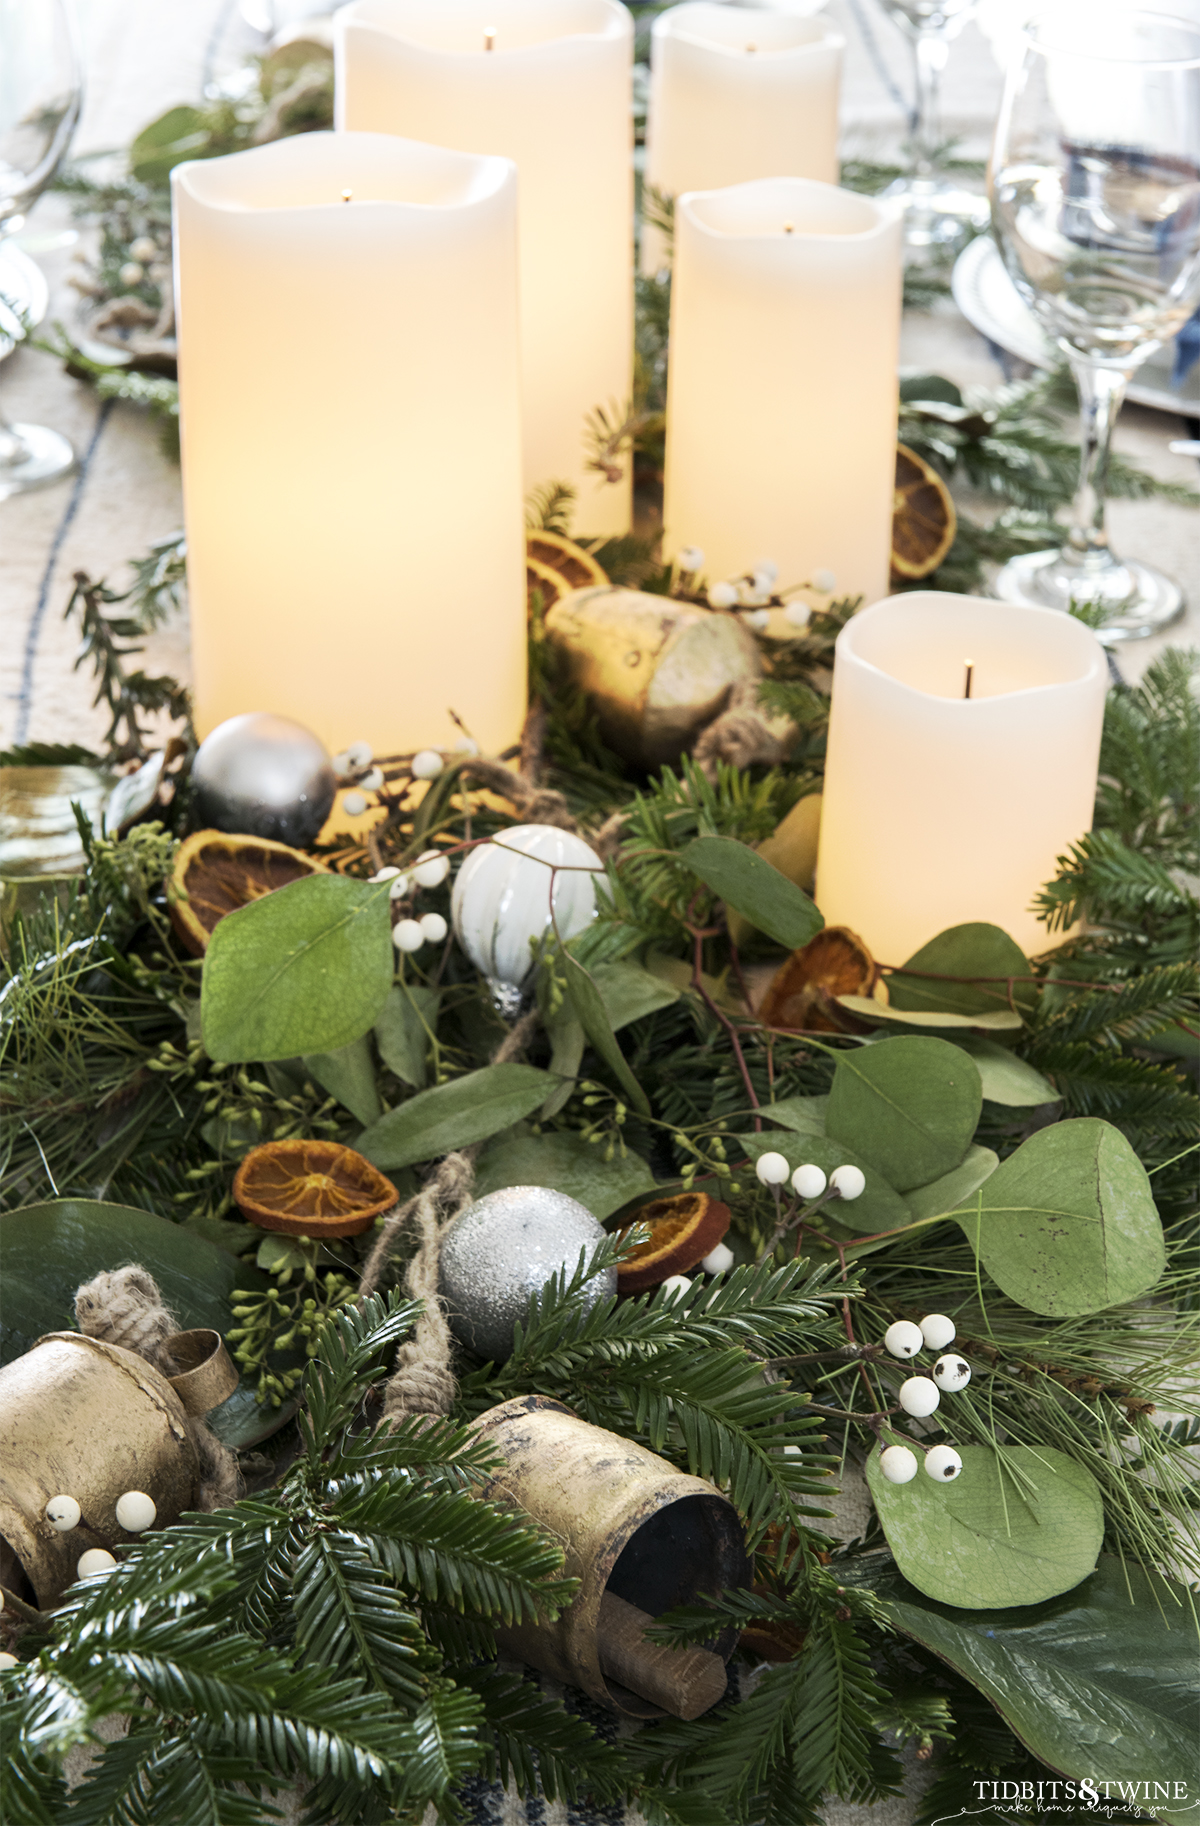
x=263 y=776
x=505 y=1247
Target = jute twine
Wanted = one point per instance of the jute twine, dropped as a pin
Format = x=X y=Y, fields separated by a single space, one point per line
x=740 y=735
x=422 y=1381
x=123 y=1306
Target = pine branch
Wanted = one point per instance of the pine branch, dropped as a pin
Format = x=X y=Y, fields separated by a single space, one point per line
x=536 y=1741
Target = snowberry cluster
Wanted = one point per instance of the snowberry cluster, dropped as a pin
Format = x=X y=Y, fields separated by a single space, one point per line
x=429 y=871
x=355 y=764
x=754 y=591
x=135 y=1513
x=920 y=1395
x=808 y=1181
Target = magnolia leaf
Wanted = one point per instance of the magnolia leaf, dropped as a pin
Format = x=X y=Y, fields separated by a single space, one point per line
x=804 y=1115
x=878 y=1206
x=1005 y=1078
x=306 y=969
x=925 y=1021
x=1067 y=1225
x=743 y=879
x=566 y=1162
x=467 y=1109
x=629 y=992
x=349 y=1075
x=402 y=1031
x=909 y=1106
x=47 y=1251
x=991 y=1539
x=984 y=955
x=589 y=1008
x=946 y=1194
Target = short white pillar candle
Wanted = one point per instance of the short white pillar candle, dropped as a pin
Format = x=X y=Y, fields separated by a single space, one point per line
x=549 y=84
x=739 y=92
x=940 y=808
x=349 y=405
x=783 y=393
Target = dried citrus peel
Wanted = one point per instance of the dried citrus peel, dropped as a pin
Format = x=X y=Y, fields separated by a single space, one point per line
x=558 y=553
x=310 y=1188
x=803 y=993
x=923 y=519
x=215 y=873
x=683 y=1230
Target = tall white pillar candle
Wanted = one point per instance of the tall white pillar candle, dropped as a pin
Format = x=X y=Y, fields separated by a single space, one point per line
x=547 y=83
x=351 y=438
x=741 y=92
x=941 y=809
x=782 y=393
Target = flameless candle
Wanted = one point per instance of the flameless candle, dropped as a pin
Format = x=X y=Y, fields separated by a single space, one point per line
x=782 y=395
x=942 y=808
x=350 y=419
x=738 y=93
x=547 y=83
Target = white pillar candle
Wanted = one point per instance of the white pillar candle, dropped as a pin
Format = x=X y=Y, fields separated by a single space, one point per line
x=941 y=809
x=738 y=93
x=351 y=438
x=547 y=83
x=782 y=394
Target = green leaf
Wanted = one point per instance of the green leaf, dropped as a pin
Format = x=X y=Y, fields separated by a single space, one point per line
x=909 y=1106
x=1005 y=1078
x=986 y=1540
x=1100 y=1684
x=1067 y=1224
x=974 y=950
x=878 y=1207
x=566 y=1162
x=744 y=880
x=348 y=1075
x=949 y=1192
x=588 y=1004
x=48 y=1251
x=306 y=969
x=468 y=1109
x=178 y=134
x=804 y=1115
x=629 y=992
x=402 y=1031
x=925 y=1021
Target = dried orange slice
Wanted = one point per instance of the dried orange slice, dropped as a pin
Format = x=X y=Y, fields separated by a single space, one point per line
x=215 y=873
x=558 y=553
x=543 y=586
x=923 y=518
x=683 y=1230
x=310 y=1188
x=804 y=991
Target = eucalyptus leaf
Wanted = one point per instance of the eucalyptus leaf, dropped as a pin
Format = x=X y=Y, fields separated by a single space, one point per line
x=948 y=1193
x=178 y=134
x=973 y=951
x=467 y=1109
x=1099 y=1683
x=804 y=1115
x=589 y=1009
x=878 y=1206
x=1067 y=1225
x=47 y=1251
x=349 y=1075
x=1005 y=1078
x=925 y=1021
x=566 y=1162
x=306 y=969
x=629 y=992
x=402 y=1031
x=567 y=1041
x=745 y=880
x=989 y=1539
x=909 y=1106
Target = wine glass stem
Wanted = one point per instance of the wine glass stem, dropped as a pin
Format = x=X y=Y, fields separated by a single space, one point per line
x=1101 y=391
x=931 y=51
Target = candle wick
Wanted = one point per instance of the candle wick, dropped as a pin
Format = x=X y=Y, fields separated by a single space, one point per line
x=970 y=665
x=346 y=195
x=789 y=228
x=489 y=38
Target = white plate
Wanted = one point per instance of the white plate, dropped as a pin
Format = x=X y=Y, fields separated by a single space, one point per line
x=23 y=285
x=987 y=298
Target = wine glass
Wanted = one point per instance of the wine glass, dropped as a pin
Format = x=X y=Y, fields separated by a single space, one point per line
x=41 y=93
x=1095 y=187
x=938 y=212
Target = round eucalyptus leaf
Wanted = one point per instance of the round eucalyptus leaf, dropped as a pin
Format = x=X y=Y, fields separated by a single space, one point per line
x=908 y=1106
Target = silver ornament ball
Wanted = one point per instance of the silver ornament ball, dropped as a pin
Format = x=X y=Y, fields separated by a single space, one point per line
x=505 y=1247
x=263 y=776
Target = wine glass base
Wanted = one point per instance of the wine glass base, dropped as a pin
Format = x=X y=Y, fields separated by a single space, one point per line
x=939 y=214
x=41 y=456
x=1039 y=580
